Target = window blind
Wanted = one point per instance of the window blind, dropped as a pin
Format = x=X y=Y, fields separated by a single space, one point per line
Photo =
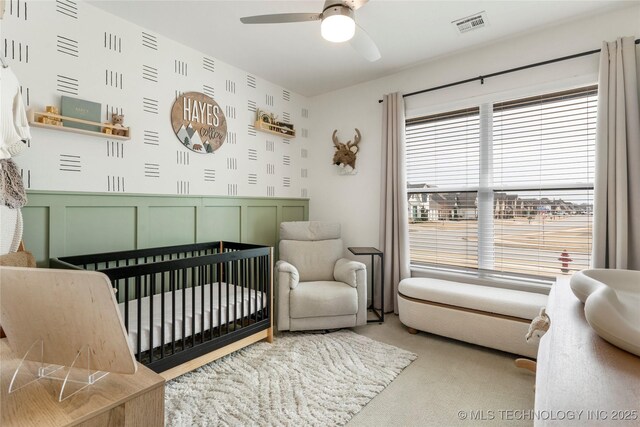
x=543 y=174
x=443 y=169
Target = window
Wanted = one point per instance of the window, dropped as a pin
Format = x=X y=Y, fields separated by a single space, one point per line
x=505 y=188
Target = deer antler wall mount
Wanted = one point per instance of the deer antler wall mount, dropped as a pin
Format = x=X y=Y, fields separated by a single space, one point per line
x=345 y=155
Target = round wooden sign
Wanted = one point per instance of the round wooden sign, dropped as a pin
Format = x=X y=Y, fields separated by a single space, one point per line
x=198 y=122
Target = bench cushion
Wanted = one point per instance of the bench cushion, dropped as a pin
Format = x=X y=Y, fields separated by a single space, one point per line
x=508 y=302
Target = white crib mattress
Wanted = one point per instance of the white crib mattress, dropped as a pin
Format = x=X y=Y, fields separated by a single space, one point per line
x=240 y=303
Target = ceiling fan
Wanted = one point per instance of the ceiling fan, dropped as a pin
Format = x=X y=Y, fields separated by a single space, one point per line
x=337 y=25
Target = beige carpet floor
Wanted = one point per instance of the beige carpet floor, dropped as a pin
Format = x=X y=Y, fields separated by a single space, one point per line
x=447 y=377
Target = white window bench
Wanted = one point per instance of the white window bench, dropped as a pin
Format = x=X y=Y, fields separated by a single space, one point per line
x=488 y=316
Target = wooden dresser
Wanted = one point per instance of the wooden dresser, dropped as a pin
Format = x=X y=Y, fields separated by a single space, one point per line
x=117 y=400
x=581 y=379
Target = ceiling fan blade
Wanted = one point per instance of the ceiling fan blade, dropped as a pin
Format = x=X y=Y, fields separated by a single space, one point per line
x=280 y=18
x=365 y=45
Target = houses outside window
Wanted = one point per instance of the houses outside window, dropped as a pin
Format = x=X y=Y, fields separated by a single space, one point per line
x=505 y=188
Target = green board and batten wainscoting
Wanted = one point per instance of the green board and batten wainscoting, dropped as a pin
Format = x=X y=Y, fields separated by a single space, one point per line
x=72 y=223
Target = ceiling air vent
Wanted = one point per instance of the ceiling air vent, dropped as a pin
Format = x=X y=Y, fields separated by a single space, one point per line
x=472 y=22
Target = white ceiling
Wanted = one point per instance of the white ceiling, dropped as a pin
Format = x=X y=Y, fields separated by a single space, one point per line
x=295 y=56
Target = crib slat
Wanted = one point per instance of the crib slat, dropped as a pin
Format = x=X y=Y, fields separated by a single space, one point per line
x=139 y=317
x=202 y=310
x=249 y=288
x=244 y=281
x=235 y=293
x=162 y=305
x=172 y=283
x=184 y=308
x=220 y=267
x=126 y=305
x=193 y=305
x=210 y=282
x=256 y=286
x=229 y=279
x=152 y=284
x=255 y=282
x=248 y=284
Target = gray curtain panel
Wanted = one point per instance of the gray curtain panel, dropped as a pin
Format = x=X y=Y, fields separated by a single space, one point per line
x=394 y=227
x=616 y=230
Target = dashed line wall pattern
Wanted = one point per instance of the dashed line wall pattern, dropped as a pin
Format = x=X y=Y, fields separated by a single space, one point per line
x=150 y=41
x=208 y=64
x=152 y=170
x=17 y=8
x=68 y=8
x=209 y=175
x=67 y=46
x=209 y=91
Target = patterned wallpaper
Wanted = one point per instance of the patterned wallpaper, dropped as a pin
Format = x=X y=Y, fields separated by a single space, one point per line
x=67 y=47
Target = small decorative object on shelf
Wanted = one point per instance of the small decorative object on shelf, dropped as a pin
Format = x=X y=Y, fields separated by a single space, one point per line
x=118 y=129
x=49 y=120
x=88 y=111
x=267 y=122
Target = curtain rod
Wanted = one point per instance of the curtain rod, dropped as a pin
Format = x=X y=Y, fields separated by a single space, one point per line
x=498 y=73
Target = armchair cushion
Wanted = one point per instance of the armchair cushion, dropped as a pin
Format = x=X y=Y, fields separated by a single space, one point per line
x=315 y=260
x=322 y=299
x=347 y=271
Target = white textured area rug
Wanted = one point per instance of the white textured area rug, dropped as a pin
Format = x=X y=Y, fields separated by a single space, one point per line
x=299 y=380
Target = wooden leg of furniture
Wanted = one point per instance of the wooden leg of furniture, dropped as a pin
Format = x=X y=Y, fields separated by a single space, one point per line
x=526 y=364
x=270 y=335
x=411 y=330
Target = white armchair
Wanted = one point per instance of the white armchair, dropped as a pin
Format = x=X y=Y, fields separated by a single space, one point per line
x=317 y=288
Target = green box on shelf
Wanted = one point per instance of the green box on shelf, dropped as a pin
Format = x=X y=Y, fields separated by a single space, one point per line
x=80 y=109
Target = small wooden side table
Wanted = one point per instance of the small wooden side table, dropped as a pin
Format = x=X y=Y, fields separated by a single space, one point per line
x=368 y=250
x=117 y=400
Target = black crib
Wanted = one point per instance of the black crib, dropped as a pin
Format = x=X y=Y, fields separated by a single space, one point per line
x=181 y=302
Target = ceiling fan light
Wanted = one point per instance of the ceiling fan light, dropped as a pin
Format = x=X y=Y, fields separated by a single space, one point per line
x=337 y=28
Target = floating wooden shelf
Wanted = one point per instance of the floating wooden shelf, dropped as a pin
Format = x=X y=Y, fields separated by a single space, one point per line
x=275 y=129
x=32 y=115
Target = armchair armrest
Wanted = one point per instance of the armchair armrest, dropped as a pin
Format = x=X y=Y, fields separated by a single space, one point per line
x=287 y=273
x=354 y=274
x=346 y=271
x=287 y=278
